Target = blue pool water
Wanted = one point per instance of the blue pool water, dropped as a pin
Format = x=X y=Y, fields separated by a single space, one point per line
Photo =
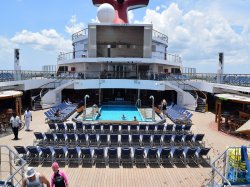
x=115 y=113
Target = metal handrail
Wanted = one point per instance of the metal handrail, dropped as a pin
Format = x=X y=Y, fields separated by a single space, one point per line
x=23 y=163
x=214 y=169
x=193 y=88
x=79 y=34
x=217 y=171
x=155 y=54
x=143 y=76
x=160 y=35
x=138 y=103
x=155 y=33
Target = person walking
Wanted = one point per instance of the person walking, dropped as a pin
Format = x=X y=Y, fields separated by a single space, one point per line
x=33 y=178
x=15 y=124
x=28 y=119
x=58 y=178
x=164 y=107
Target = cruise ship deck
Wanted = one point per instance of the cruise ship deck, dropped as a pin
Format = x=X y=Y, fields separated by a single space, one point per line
x=177 y=175
x=116 y=63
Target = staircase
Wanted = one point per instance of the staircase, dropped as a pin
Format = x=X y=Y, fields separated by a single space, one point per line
x=44 y=89
x=201 y=97
x=37 y=104
x=201 y=105
x=184 y=98
x=52 y=97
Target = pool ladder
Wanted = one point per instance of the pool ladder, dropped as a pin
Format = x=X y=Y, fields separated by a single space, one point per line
x=138 y=103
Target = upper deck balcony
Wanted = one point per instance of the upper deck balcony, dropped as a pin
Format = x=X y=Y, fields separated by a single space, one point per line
x=79 y=35
x=82 y=56
x=156 y=35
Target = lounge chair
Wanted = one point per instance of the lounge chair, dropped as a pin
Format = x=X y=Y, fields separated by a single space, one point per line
x=112 y=155
x=153 y=156
x=87 y=155
x=126 y=155
x=165 y=155
x=139 y=155
x=74 y=155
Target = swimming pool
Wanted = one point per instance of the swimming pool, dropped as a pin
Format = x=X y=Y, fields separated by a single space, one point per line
x=115 y=113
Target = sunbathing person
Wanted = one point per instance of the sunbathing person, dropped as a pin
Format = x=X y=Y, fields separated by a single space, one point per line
x=57 y=113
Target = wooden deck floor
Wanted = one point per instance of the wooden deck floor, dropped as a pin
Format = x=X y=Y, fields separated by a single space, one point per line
x=149 y=176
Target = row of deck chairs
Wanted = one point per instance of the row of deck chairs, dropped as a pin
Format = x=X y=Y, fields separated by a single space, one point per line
x=179 y=115
x=66 y=110
x=106 y=140
x=131 y=129
x=6 y=76
x=236 y=80
x=139 y=155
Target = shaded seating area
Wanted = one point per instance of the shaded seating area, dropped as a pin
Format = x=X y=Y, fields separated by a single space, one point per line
x=65 y=110
x=10 y=102
x=232 y=114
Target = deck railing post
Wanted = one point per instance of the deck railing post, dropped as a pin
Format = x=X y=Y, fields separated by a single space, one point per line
x=10 y=163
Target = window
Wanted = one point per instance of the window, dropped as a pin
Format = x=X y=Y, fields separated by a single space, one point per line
x=153 y=48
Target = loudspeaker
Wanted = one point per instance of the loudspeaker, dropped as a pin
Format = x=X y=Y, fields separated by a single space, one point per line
x=17 y=54
x=221 y=58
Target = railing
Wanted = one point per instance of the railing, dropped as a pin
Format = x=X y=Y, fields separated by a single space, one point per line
x=166 y=56
x=159 y=35
x=230 y=79
x=223 y=164
x=12 y=75
x=155 y=34
x=80 y=33
x=192 y=88
x=217 y=175
x=44 y=89
x=12 y=167
x=138 y=103
x=72 y=55
x=155 y=55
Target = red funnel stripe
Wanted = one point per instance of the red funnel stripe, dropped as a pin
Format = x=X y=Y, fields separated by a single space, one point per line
x=121 y=15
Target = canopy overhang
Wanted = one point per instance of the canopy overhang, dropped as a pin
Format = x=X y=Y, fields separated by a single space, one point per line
x=10 y=94
x=234 y=98
x=245 y=128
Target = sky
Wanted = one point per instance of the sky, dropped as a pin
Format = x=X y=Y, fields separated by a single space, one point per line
x=197 y=30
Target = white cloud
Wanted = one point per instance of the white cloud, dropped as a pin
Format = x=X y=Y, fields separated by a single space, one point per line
x=199 y=36
x=37 y=48
x=45 y=39
x=130 y=16
x=73 y=26
x=6 y=53
x=6 y=46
